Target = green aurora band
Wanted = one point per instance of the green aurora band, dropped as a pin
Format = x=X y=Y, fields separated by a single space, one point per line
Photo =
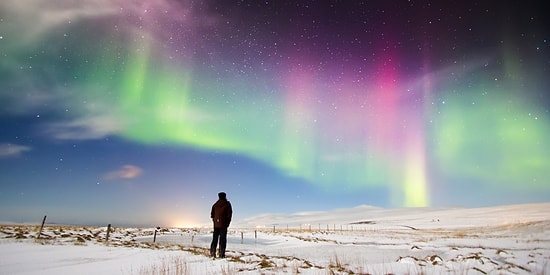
x=493 y=138
x=485 y=138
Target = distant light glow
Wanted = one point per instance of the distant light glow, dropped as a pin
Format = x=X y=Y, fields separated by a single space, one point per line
x=184 y=224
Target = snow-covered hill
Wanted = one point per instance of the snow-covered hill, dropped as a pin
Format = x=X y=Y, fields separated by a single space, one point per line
x=510 y=239
x=422 y=218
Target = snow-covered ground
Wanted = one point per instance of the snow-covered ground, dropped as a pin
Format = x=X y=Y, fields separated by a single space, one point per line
x=511 y=239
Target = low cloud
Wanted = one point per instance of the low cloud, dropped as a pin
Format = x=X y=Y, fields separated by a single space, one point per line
x=125 y=172
x=12 y=150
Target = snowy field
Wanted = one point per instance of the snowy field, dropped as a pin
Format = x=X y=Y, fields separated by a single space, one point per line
x=511 y=239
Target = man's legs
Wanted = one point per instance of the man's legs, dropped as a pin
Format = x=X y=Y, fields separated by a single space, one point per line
x=214 y=243
x=223 y=241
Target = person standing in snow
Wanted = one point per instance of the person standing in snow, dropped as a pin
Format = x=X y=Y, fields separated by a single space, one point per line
x=221 y=216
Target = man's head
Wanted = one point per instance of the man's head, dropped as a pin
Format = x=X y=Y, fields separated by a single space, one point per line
x=222 y=195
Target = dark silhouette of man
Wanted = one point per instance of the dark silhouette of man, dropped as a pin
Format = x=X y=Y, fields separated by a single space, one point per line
x=221 y=216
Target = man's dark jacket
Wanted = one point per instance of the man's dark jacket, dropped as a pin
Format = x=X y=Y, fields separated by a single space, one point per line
x=221 y=213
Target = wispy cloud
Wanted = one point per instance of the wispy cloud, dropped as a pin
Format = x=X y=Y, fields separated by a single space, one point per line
x=125 y=172
x=11 y=150
x=37 y=17
x=84 y=128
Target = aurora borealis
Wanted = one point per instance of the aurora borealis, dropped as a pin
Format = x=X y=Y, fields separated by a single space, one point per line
x=120 y=110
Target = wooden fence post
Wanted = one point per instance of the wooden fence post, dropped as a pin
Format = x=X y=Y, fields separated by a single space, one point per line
x=41 y=227
x=108 y=232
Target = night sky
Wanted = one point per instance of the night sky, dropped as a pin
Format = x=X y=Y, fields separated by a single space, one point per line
x=140 y=112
